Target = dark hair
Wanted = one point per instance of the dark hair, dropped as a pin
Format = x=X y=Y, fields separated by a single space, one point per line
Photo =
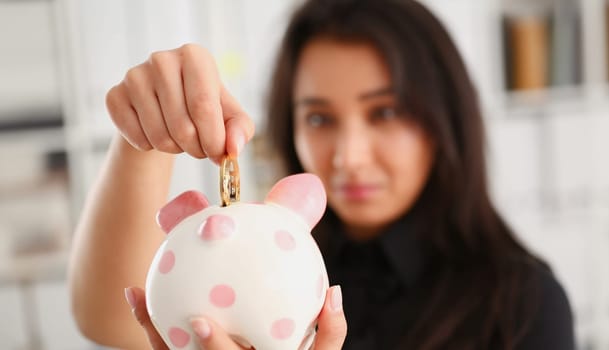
x=474 y=245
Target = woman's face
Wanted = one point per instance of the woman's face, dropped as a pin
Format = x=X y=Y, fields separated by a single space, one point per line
x=373 y=160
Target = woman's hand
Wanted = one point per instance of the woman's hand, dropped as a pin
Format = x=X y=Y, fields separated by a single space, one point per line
x=175 y=102
x=331 y=332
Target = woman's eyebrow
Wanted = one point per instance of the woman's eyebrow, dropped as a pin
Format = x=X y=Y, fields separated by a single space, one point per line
x=320 y=101
x=311 y=101
x=384 y=91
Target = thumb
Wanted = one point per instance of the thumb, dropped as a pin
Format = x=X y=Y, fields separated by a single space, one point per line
x=211 y=336
x=331 y=325
x=239 y=126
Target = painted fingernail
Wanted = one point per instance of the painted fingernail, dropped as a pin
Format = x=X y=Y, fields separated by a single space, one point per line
x=130 y=296
x=336 y=303
x=201 y=328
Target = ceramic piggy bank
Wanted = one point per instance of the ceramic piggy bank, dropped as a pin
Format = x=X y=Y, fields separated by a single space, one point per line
x=252 y=268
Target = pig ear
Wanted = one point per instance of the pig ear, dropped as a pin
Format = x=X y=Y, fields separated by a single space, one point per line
x=180 y=208
x=303 y=193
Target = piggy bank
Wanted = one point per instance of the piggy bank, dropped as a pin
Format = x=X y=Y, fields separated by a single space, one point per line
x=253 y=268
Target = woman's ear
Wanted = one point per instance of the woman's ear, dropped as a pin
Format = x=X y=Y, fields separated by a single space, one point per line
x=302 y=193
x=180 y=208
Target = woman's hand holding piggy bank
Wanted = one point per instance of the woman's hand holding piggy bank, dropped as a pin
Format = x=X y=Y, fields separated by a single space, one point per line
x=253 y=269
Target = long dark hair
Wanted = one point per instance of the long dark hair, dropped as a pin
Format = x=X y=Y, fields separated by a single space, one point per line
x=474 y=246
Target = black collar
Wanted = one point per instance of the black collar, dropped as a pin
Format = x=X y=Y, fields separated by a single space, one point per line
x=400 y=246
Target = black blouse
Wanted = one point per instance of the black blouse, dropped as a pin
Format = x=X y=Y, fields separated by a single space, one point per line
x=383 y=293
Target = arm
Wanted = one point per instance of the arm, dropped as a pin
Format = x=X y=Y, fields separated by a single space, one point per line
x=172 y=103
x=115 y=241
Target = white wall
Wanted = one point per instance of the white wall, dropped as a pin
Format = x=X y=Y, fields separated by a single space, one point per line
x=28 y=74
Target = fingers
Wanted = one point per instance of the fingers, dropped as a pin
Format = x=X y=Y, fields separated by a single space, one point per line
x=137 y=300
x=209 y=335
x=331 y=324
x=222 y=125
x=125 y=118
x=202 y=93
x=175 y=102
x=212 y=337
x=167 y=75
x=140 y=88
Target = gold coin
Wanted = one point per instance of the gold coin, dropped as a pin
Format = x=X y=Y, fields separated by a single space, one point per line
x=229 y=181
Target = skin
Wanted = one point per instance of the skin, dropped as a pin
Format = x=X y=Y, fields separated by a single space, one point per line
x=372 y=159
x=172 y=103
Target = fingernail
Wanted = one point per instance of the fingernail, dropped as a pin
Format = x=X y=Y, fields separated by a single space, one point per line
x=201 y=328
x=130 y=296
x=239 y=142
x=336 y=303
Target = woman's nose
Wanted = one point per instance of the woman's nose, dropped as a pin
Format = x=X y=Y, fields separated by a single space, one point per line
x=353 y=148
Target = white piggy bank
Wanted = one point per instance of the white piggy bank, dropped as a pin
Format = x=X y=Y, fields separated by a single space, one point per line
x=253 y=268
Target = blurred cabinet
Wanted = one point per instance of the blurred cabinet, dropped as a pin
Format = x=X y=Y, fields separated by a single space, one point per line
x=34 y=195
x=35 y=182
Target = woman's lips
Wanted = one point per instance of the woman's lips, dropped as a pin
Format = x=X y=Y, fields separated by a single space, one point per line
x=357 y=192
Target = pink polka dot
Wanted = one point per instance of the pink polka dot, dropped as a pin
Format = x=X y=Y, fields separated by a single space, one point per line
x=285 y=240
x=179 y=337
x=222 y=296
x=167 y=261
x=283 y=328
x=217 y=227
x=320 y=286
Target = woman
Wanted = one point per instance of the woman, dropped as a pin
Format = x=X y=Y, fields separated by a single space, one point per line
x=373 y=97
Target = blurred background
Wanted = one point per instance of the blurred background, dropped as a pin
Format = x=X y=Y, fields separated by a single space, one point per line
x=542 y=69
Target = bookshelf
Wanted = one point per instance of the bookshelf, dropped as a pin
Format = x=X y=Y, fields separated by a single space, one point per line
x=568 y=62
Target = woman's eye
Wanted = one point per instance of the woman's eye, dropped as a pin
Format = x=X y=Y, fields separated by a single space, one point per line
x=384 y=113
x=317 y=120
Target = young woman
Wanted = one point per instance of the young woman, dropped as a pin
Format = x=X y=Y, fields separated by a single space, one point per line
x=373 y=97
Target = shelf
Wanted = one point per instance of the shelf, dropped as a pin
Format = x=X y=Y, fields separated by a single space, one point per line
x=44 y=139
x=561 y=42
x=553 y=100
